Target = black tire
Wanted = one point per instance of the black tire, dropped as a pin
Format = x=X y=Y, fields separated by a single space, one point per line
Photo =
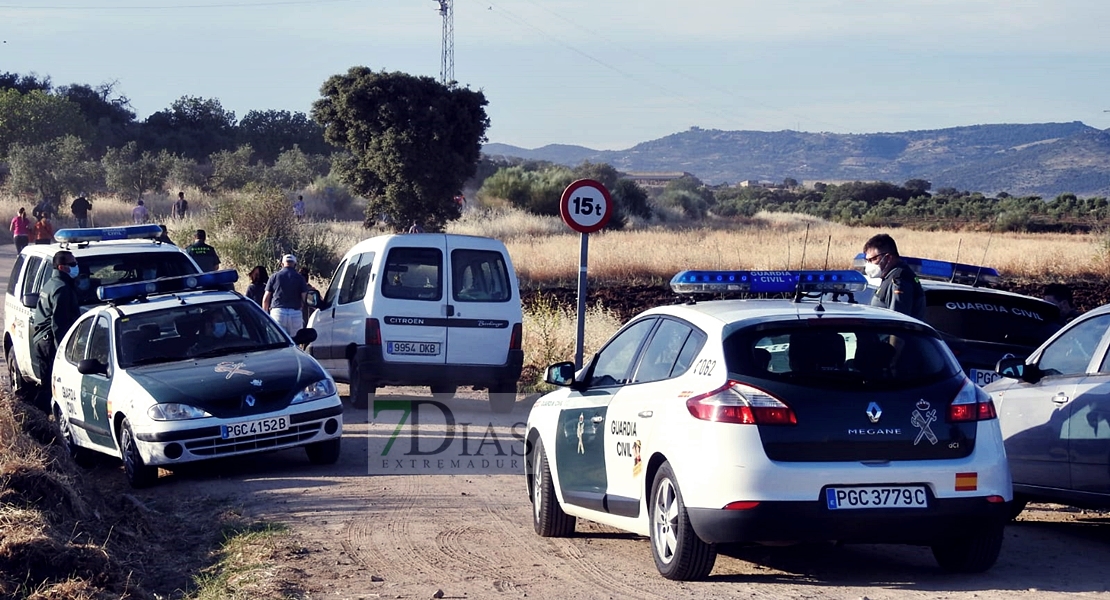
x=1017 y=506
x=22 y=389
x=139 y=474
x=502 y=396
x=444 y=392
x=324 y=453
x=973 y=553
x=678 y=551
x=361 y=390
x=82 y=456
x=548 y=517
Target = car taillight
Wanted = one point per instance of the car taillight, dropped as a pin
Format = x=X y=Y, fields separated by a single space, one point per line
x=971 y=404
x=373 y=333
x=736 y=402
x=515 y=342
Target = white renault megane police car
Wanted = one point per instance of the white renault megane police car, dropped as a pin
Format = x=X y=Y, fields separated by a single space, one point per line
x=770 y=421
x=174 y=370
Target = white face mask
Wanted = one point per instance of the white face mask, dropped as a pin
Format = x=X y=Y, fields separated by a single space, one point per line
x=873 y=270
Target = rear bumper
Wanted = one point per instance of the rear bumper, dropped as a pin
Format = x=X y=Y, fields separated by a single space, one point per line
x=946 y=518
x=378 y=372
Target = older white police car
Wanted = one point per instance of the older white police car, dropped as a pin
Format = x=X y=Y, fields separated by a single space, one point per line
x=176 y=370
x=105 y=256
x=769 y=421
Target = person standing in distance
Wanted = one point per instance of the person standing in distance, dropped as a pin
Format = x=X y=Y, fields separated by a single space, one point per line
x=21 y=230
x=57 y=309
x=298 y=208
x=285 y=295
x=900 y=289
x=180 y=207
x=256 y=289
x=204 y=255
x=80 y=209
x=139 y=214
x=43 y=230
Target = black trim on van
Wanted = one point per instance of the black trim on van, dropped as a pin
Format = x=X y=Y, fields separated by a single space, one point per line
x=448 y=322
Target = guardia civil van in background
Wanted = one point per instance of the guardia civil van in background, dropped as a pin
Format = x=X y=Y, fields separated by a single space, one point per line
x=428 y=309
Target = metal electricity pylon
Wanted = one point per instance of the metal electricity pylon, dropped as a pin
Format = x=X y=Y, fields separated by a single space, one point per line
x=447 y=60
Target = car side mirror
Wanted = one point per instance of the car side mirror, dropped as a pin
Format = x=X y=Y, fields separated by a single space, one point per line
x=30 y=300
x=561 y=374
x=304 y=336
x=1015 y=368
x=313 y=299
x=91 y=366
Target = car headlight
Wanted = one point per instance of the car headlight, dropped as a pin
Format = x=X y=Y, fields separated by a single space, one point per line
x=315 y=391
x=175 y=411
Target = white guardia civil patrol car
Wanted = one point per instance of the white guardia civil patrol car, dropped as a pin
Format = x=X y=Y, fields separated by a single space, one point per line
x=770 y=421
x=176 y=370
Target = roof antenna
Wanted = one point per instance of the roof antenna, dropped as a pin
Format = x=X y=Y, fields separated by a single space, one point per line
x=957 y=261
x=980 y=270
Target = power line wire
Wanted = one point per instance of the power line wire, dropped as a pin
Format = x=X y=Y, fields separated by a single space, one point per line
x=174 y=6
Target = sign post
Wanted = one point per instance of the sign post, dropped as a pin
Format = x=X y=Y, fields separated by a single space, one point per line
x=585 y=207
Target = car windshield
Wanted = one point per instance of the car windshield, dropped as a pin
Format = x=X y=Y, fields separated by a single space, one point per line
x=847 y=354
x=108 y=269
x=990 y=317
x=192 y=331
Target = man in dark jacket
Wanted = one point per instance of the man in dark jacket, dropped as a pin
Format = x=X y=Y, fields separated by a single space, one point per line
x=80 y=209
x=58 y=307
x=900 y=289
x=204 y=255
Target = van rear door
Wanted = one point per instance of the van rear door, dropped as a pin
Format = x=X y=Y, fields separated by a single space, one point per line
x=413 y=300
x=485 y=302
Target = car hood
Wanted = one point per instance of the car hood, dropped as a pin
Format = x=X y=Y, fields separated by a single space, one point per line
x=221 y=385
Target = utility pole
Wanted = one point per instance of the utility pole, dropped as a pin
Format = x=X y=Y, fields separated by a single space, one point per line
x=447 y=59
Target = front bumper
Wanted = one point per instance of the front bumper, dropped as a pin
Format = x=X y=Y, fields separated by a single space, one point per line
x=176 y=446
x=945 y=518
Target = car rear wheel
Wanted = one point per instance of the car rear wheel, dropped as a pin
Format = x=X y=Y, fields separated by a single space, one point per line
x=84 y=458
x=444 y=392
x=548 y=517
x=678 y=551
x=323 y=453
x=22 y=389
x=1017 y=505
x=139 y=474
x=502 y=396
x=361 y=390
x=973 y=553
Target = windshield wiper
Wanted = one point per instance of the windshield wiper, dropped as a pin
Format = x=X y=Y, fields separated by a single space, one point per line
x=149 y=360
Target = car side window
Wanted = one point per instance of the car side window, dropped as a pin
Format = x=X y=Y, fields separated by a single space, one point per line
x=14 y=278
x=99 y=340
x=362 y=276
x=78 y=342
x=1072 y=352
x=348 y=285
x=614 y=361
x=662 y=351
x=333 y=288
x=31 y=275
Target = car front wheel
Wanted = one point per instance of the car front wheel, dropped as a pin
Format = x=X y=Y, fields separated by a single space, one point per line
x=678 y=551
x=81 y=456
x=548 y=517
x=361 y=390
x=139 y=474
x=973 y=553
x=22 y=389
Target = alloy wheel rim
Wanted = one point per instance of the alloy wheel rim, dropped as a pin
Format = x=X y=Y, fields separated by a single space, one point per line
x=665 y=520
x=537 y=494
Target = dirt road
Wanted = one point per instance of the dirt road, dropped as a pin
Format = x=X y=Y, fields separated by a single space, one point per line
x=361 y=532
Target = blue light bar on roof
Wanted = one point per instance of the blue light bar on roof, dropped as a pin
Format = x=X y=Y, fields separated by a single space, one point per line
x=103 y=234
x=767 y=282
x=167 y=285
x=942 y=270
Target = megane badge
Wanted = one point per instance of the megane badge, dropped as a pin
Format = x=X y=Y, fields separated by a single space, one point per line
x=249 y=400
x=874 y=412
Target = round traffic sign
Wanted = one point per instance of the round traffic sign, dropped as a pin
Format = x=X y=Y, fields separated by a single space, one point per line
x=585 y=206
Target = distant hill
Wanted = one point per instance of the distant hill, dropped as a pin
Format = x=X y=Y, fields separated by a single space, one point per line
x=1045 y=159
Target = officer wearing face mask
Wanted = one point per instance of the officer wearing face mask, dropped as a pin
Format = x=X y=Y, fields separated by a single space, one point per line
x=900 y=289
x=212 y=333
x=58 y=307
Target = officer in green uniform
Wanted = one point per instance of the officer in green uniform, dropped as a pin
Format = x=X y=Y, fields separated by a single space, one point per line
x=57 y=309
x=204 y=255
x=900 y=289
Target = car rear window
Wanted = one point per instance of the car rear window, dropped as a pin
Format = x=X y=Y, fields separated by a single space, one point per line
x=844 y=354
x=108 y=269
x=413 y=274
x=989 y=317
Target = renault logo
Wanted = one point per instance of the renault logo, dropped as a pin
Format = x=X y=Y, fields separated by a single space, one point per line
x=874 y=412
x=250 y=402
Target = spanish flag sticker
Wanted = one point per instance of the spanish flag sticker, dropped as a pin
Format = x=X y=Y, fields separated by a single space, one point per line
x=967 y=482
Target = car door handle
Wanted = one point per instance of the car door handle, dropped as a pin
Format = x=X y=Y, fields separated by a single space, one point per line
x=1060 y=398
x=645 y=414
x=597 y=419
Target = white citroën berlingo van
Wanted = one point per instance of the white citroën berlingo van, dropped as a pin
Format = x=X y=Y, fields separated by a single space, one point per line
x=433 y=309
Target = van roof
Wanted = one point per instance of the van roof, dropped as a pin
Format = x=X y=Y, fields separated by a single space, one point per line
x=381 y=242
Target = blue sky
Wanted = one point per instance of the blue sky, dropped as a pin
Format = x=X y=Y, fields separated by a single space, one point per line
x=602 y=74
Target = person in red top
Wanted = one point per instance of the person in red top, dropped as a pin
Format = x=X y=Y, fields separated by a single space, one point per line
x=21 y=229
x=44 y=231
